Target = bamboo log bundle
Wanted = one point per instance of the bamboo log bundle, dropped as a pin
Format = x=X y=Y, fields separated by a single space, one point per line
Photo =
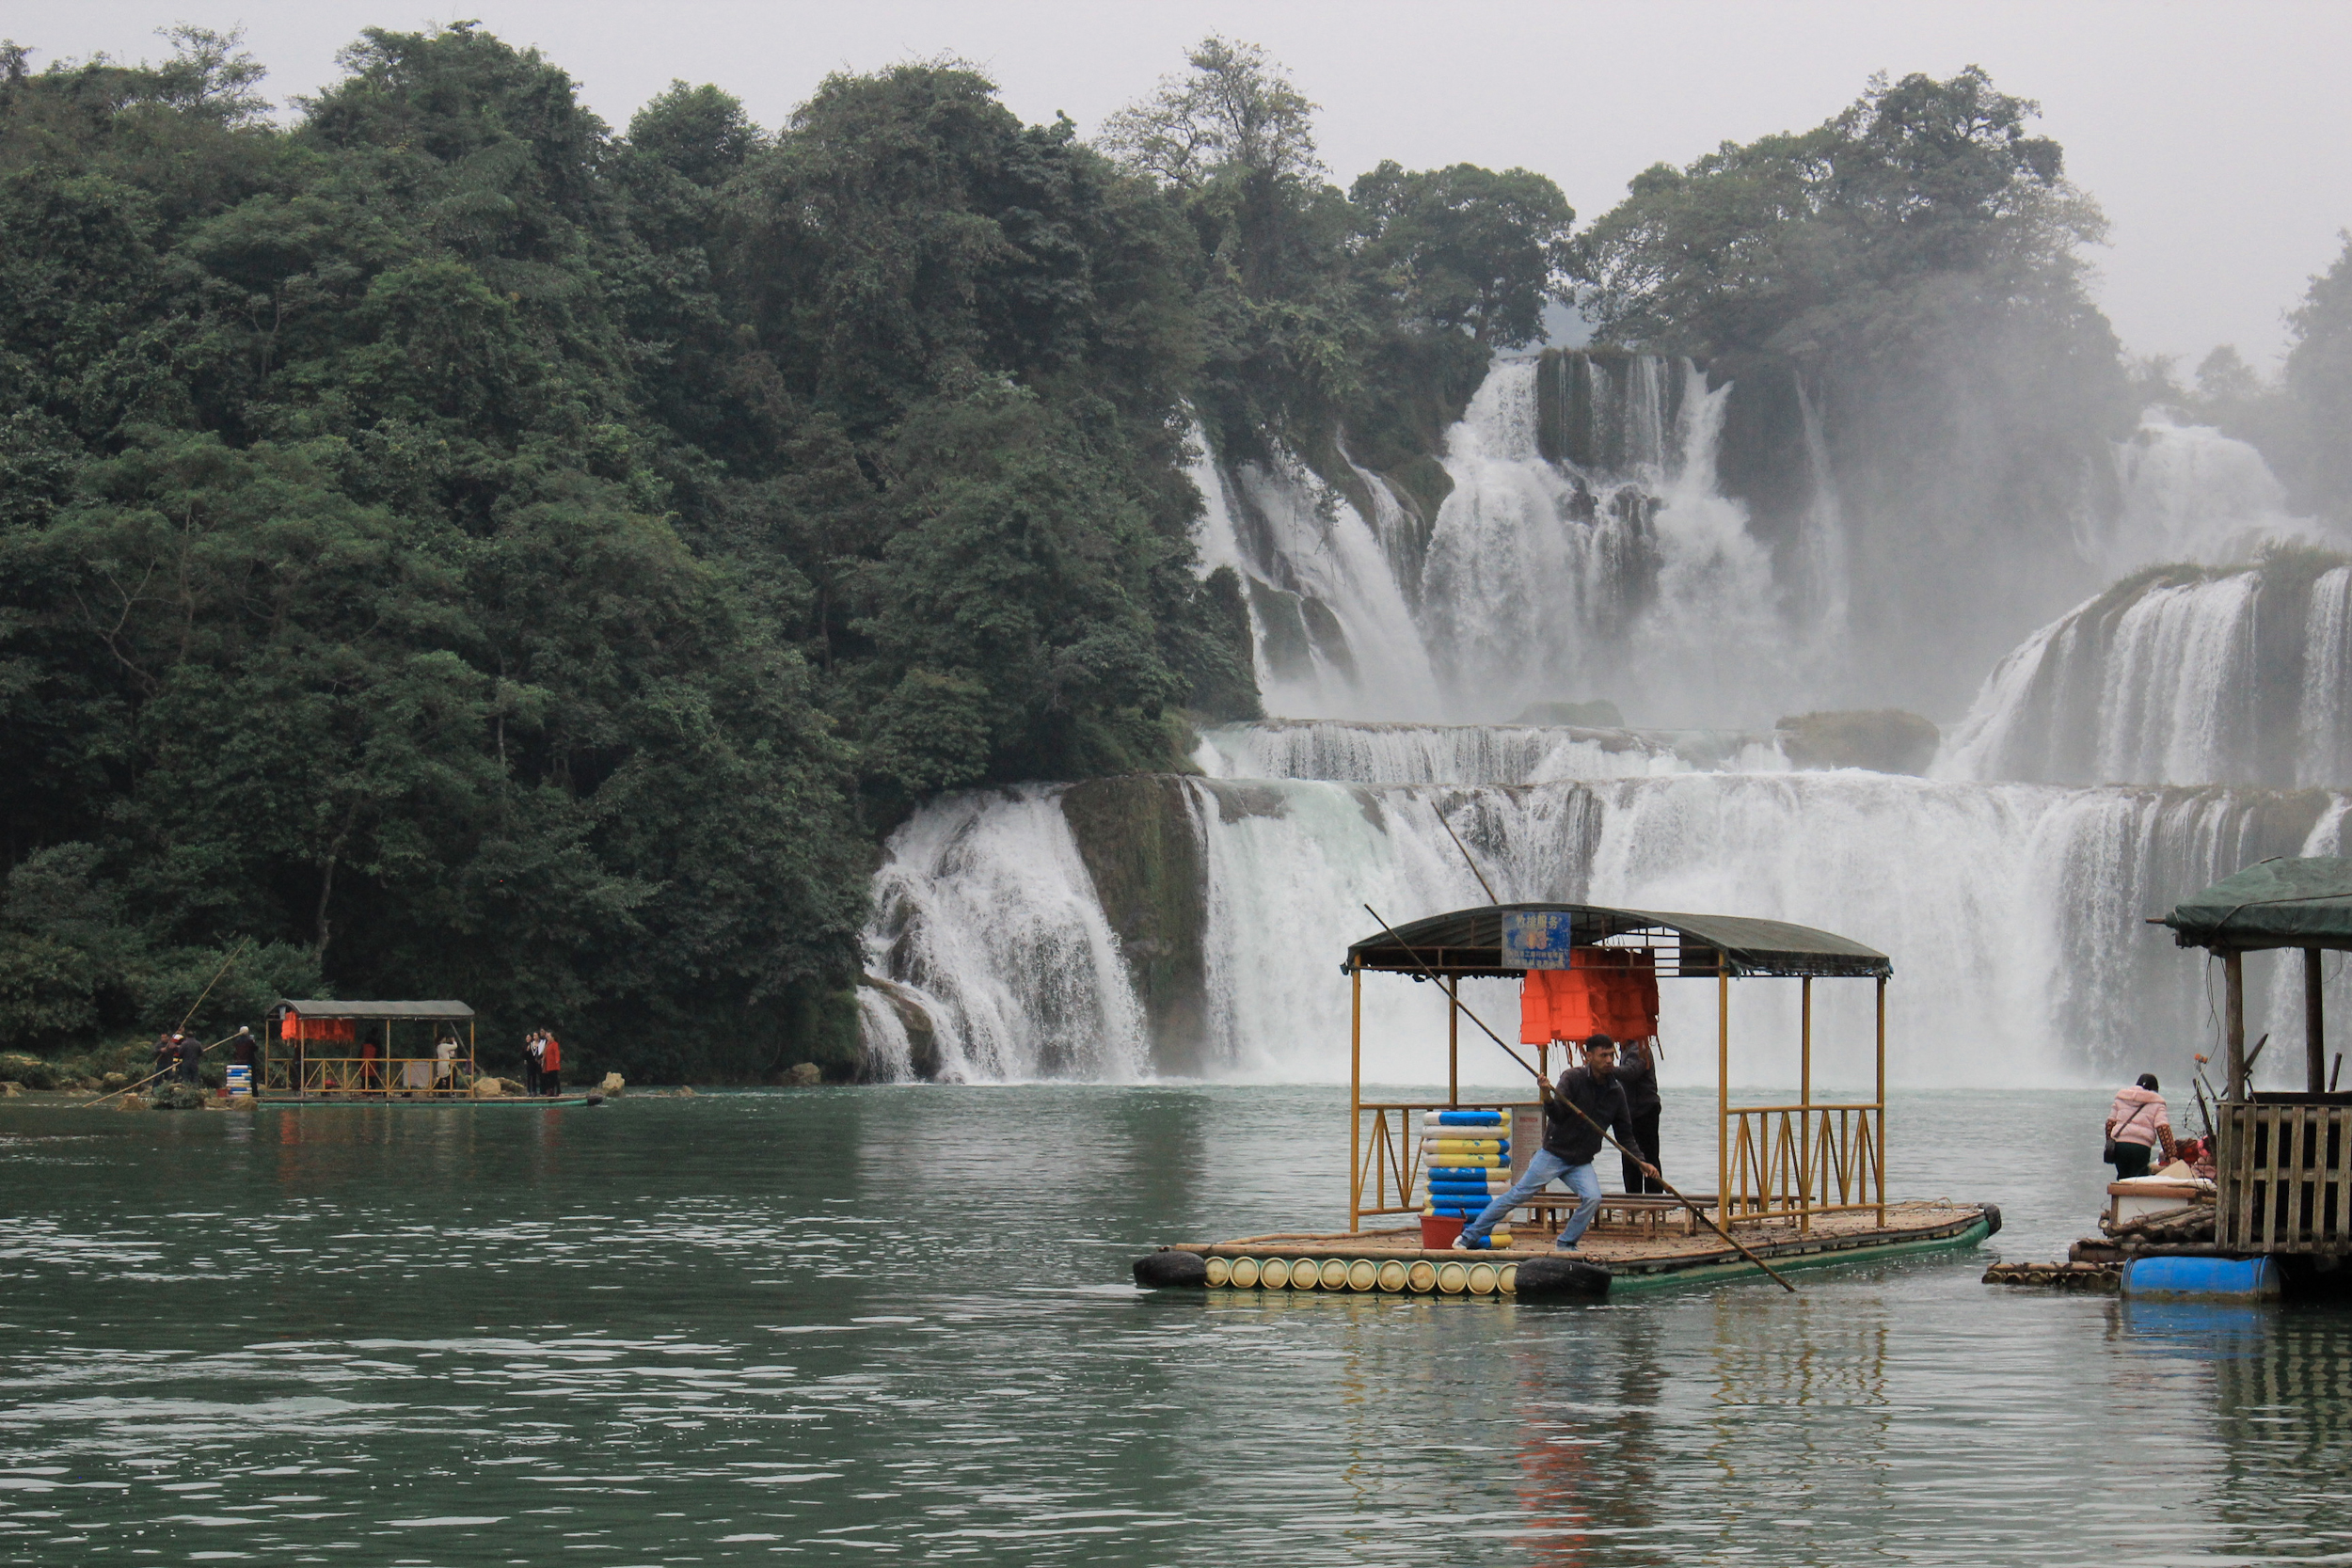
x=2172 y=1227
x=2061 y=1277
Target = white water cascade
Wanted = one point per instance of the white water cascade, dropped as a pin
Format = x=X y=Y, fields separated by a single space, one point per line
x=1536 y=580
x=2013 y=913
x=1475 y=753
x=1195 y=924
x=2185 y=676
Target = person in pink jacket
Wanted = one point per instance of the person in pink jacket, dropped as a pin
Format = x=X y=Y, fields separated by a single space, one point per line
x=2137 y=1127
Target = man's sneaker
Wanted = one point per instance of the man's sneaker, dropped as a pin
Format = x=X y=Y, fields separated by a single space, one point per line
x=1464 y=1244
x=1564 y=1246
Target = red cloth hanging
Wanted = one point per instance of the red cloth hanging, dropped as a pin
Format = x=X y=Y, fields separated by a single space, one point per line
x=1610 y=990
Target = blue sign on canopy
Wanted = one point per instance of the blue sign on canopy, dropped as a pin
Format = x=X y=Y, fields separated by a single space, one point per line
x=1537 y=939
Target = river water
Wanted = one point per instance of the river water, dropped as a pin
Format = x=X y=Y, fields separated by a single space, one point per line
x=848 y=1324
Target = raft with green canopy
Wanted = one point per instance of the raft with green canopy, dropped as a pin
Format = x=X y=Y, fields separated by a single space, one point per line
x=2284 y=1159
x=1803 y=1183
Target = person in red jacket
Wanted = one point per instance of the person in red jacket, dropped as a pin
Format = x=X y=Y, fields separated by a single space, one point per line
x=550 y=1065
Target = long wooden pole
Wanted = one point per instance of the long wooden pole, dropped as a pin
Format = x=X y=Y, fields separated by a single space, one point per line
x=1551 y=1099
x=234 y=954
x=2234 y=1014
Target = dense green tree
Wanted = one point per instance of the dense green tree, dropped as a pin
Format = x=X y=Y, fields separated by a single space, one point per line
x=2319 y=393
x=1907 y=278
x=1467 y=250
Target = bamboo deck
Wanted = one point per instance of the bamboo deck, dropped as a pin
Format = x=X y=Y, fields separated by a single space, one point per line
x=1634 y=1261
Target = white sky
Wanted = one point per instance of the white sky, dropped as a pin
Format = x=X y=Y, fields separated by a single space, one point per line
x=2218 y=137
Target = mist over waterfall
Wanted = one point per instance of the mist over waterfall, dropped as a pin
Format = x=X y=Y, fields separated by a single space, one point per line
x=2184 y=722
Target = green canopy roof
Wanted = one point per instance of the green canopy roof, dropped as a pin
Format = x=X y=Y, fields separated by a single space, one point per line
x=2279 y=903
x=1471 y=943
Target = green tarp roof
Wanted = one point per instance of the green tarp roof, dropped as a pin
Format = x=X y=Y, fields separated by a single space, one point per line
x=376 y=1009
x=2280 y=903
x=1469 y=941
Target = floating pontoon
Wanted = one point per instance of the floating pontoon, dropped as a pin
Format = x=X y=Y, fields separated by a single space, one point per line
x=1797 y=1184
x=330 y=1053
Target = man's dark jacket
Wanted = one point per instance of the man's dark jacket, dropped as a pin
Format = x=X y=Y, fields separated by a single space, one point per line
x=1570 y=1136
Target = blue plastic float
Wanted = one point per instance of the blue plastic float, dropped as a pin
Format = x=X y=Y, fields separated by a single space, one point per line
x=2238 y=1279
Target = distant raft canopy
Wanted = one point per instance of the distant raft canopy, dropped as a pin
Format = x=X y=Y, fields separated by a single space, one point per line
x=1499 y=941
x=376 y=1009
x=2279 y=903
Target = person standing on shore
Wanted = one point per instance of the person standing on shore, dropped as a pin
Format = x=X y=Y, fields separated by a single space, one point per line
x=1570 y=1141
x=2138 y=1125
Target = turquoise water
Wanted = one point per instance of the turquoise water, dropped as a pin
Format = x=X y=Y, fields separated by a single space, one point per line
x=852 y=1325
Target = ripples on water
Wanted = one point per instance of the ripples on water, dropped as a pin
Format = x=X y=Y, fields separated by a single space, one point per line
x=858 y=1323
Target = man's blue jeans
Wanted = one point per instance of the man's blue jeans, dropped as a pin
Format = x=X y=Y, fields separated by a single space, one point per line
x=1542 y=1168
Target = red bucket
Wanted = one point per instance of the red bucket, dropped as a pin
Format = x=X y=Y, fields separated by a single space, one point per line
x=1439 y=1230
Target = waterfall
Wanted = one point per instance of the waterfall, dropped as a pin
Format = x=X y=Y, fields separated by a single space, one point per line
x=1474 y=753
x=1582 y=549
x=2190 y=720
x=2013 y=913
x=2190 y=494
x=987 y=918
x=2181 y=675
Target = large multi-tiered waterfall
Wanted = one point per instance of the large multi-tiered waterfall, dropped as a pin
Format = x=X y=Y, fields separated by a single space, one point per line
x=1193 y=925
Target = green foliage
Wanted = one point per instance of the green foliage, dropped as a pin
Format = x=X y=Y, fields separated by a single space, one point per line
x=1909 y=276
x=1843 y=241
x=2319 y=391
x=1467 y=250
x=449 y=549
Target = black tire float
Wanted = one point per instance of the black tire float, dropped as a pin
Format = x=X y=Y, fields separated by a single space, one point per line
x=1562 y=1279
x=1164 y=1270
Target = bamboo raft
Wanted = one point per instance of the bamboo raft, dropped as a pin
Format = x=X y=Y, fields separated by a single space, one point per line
x=1798 y=1184
x=1611 y=1261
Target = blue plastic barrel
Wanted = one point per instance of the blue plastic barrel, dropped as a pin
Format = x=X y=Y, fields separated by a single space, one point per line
x=2246 y=1279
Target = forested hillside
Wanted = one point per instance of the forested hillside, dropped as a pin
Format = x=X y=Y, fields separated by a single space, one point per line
x=451 y=548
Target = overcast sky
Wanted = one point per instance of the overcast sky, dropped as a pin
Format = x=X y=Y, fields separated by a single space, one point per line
x=2218 y=137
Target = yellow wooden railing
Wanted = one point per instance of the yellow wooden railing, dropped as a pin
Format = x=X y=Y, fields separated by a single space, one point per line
x=1799 y=1161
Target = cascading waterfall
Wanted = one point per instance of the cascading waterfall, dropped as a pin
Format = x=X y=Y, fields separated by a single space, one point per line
x=1121 y=928
x=1474 y=753
x=2182 y=676
x=1548 y=582
x=2013 y=913
x=2190 y=494
x=986 y=917
x=1326 y=613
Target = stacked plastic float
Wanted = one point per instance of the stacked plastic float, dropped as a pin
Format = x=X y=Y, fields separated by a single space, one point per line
x=1391 y=1274
x=1466 y=1156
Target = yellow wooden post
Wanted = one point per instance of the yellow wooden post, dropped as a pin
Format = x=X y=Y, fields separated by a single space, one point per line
x=1355 y=1096
x=1454 y=1040
x=1723 y=1085
x=1881 y=1103
x=1805 y=1103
